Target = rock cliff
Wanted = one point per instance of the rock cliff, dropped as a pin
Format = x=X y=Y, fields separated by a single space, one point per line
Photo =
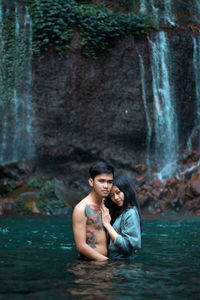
x=89 y=110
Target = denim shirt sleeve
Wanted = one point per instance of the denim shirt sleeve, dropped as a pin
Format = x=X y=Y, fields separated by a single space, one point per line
x=129 y=237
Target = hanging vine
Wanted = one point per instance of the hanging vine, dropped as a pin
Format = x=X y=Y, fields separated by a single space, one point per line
x=54 y=23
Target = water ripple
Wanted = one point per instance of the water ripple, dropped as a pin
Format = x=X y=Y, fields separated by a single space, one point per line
x=4 y=230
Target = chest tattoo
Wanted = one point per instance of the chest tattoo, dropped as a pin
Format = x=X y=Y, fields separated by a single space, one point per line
x=93 y=213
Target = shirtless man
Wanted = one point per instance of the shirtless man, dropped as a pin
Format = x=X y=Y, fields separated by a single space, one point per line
x=89 y=233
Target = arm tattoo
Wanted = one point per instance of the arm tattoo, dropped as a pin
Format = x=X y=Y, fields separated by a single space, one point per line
x=91 y=239
x=93 y=213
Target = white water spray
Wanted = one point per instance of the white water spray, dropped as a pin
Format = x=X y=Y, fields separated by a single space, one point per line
x=196 y=65
x=16 y=112
x=143 y=7
x=197 y=9
x=155 y=12
x=166 y=132
x=161 y=13
x=168 y=16
x=149 y=130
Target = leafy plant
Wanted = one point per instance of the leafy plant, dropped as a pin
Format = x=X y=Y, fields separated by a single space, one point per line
x=52 y=27
x=49 y=203
x=34 y=182
x=14 y=53
x=55 y=21
x=100 y=28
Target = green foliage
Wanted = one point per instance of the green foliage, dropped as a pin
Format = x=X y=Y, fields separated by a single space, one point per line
x=51 y=25
x=22 y=208
x=48 y=189
x=7 y=56
x=14 y=54
x=100 y=28
x=55 y=21
x=34 y=182
x=7 y=185
x=10 y=186
x=49 y=203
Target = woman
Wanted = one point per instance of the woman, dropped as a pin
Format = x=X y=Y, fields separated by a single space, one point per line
x=122 y=220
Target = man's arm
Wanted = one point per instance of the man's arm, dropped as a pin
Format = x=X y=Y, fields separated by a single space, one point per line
x=79 y=229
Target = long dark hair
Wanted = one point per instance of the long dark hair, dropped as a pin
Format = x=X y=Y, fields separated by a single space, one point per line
x=124 y=184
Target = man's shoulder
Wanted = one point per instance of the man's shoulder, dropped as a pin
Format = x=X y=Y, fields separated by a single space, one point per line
x=80 y=206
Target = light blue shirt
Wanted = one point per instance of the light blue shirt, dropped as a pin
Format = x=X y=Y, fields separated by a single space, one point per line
x=127 y=226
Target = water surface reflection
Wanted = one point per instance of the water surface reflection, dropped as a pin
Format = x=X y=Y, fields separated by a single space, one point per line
x=38 y=261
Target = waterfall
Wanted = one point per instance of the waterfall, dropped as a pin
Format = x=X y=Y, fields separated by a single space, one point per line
x=196 y=65
x=155 y=12
x=168 y=16
x=197 y=5
x=143 y=6
x=166 y=135
x=16 y=112
x=144 y=9
x=163 y=12
x=149 y=130
x=28 y=108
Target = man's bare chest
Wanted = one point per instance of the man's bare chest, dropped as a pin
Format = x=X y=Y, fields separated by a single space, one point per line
x=94 y=216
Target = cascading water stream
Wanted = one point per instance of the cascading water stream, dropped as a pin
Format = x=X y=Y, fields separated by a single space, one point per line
x=16 y=112
x=16 y=106
x=4 y=118
x=143 y=6
x=197 y=9
x=28 y=108
x=166 y=132
x=146 y=7
x=155 y=12
x=196 y=64
x=161 y=13
x=149 y=130
x=168 y=16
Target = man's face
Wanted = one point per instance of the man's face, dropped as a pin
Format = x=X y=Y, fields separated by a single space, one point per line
x=102 y=184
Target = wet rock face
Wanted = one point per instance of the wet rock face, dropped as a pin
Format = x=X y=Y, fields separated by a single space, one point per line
x=195 y=183
x=27 y=192
x=179 y=194
x=182 y=70
x=89 y=110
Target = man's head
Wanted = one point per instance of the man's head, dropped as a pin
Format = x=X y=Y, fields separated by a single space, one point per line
x=100 y=168
x=101 y=179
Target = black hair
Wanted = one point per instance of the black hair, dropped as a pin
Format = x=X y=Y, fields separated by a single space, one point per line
x=126 y=186
x=100 y=168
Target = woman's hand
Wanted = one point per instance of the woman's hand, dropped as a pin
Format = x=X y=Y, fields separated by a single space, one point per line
x=106 y=218
x=105 y=215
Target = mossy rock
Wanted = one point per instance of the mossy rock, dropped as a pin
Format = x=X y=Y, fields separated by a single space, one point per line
x=26 y=199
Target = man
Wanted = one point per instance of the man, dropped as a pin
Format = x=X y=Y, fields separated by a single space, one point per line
x=89 y=233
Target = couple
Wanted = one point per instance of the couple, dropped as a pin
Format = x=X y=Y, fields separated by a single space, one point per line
x=117 y=219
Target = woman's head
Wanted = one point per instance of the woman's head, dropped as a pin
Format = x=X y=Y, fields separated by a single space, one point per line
x=122 y=196
x=123 y=187
x=117 y=196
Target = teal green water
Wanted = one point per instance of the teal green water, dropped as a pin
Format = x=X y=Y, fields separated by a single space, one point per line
x=38 y=260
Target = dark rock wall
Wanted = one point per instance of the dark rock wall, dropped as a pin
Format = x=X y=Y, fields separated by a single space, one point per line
x=182 y=72
x=88 y=110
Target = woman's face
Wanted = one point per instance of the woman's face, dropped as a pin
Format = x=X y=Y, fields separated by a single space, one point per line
x=117 y=196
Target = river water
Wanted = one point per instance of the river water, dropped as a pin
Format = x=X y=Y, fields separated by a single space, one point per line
x=38 y=260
